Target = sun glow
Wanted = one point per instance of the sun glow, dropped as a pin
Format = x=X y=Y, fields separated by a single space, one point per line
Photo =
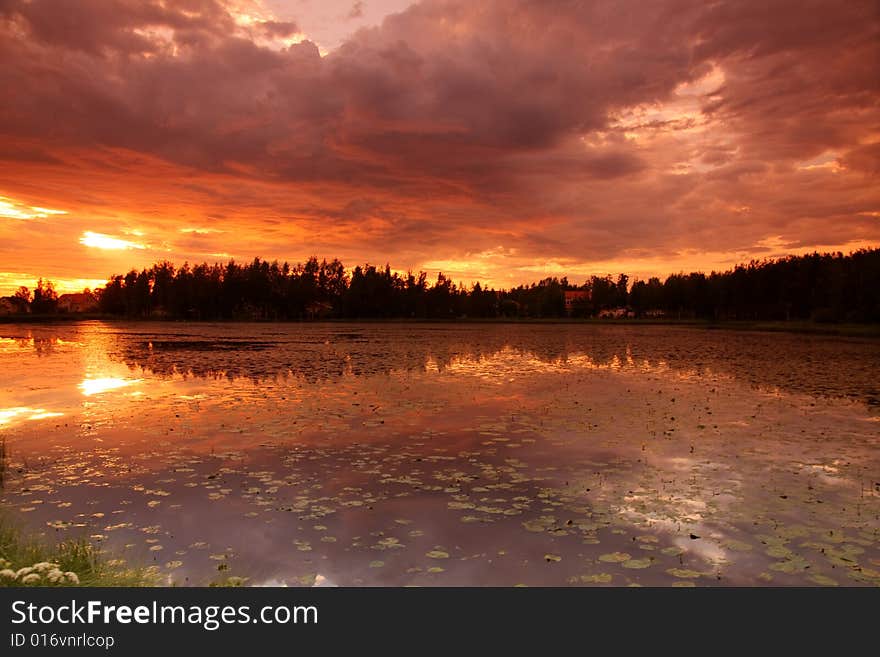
x=101 y=241
x=200 y=231
x=7 y=415
x=12 y=209
x=11 y=281
x=97 y=386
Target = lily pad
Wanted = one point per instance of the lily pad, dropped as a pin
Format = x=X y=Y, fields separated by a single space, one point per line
x=637 y=564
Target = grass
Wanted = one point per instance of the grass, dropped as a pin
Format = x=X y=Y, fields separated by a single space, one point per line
x=29 y=560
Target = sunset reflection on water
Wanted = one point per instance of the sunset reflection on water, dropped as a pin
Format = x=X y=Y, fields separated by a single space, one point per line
x=402 y=454
x=10 y=415
x=97 y=386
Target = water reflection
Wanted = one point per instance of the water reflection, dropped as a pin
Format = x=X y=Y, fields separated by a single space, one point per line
x=97 y=386
x=815 y=365
x=398 y=454
x=42 y=345
x=21 y=413
x=811 y=364
x=3 y=462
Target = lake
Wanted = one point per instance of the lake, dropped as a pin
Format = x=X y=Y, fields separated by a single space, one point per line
x=448 y=454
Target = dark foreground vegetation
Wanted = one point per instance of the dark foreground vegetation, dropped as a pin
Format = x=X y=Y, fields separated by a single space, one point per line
x=815 y=287
x=30 y=560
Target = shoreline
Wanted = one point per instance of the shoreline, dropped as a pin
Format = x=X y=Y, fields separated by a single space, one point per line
x=763 y=326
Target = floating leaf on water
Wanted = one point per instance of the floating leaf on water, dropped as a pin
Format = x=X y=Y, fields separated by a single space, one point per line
x=684 y=573
x=672 y=551
x=866 y=575
x=793 y=565
x=615 y=557
x=600 y=578
x=792 y=531
x=539 y=524
x=552 y=557
x=637 y=563
x=437 y=554
x=779 y=552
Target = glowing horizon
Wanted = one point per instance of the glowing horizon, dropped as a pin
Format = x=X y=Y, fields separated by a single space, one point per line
x=630 y=139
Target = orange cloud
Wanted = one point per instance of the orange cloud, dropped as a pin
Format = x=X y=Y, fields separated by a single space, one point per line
x=501 y=140
x=101 y=241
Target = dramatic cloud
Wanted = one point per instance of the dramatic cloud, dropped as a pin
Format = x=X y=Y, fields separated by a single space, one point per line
x=502 y=140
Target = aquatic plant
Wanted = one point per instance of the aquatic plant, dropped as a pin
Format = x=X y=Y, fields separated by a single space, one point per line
x=29 y=560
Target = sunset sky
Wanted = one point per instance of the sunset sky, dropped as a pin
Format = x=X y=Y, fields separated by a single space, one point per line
x=500 y=141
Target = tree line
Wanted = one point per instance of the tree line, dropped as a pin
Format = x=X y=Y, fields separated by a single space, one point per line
x=820 y=287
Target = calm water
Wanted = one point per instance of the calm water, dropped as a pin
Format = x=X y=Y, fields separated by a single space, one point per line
x=393 y=454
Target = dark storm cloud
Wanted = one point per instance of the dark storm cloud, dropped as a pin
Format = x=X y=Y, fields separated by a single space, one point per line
x=571 y=129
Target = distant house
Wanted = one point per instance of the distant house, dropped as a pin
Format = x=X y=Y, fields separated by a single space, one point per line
x=573 y=298
x=13 y=306
x=616 y=313
x=80 y=302
x=654 y=313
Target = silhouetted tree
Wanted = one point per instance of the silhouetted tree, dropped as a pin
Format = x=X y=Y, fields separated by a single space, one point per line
x=826 y=287
x=45 y=298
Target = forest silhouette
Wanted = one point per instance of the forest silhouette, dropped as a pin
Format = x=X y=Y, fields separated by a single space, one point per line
x=819 y=287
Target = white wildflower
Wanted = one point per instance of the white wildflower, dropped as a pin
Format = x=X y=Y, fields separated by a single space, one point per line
x=7 y=573
x=55 y=576
x=72 y=577
x=32 y=578
x=22 y=572
x=44 y=566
